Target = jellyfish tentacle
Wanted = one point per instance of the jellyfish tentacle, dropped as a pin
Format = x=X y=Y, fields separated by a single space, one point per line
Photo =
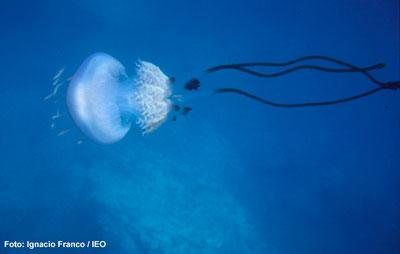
x=291 y=62
x=297 y=105
x=152 y=96
x=303 y=67
x=351 y=67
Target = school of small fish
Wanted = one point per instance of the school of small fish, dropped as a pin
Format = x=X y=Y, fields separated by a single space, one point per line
x=56 y=86
x=57 y=83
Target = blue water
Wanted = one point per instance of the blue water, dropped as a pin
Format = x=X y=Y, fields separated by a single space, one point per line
x=233 y=176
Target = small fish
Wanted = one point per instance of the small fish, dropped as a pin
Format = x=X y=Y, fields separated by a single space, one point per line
x=63 y=132
x=192 y=84
x=186 y=110
x=57 y=87
x=56 y=115
x=59 y=73
x=80 y=141
x=176 y=107
x=55 y=90
x=48 y=96
x=52 y=125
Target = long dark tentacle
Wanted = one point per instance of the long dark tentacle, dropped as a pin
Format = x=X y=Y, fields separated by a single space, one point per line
x=194 y=84
x=351 y=68
x=282 y=64
x=303 y=67
x=298 y=105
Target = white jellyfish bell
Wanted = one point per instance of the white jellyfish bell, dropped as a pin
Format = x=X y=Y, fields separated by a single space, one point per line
x=103 y=101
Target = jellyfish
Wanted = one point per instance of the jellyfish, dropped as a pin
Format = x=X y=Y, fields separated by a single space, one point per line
x=104 y=102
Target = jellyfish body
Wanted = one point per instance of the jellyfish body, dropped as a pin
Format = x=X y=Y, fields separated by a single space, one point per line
x=103 y=101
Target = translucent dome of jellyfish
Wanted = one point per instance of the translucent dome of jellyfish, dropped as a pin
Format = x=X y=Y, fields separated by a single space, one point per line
x=103 y=101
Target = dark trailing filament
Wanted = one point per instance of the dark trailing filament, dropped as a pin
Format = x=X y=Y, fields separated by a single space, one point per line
x=243 y=67
x=305 y=67
x=297 y=105
x=194 y=84
x=388 y=86
x=300 y=59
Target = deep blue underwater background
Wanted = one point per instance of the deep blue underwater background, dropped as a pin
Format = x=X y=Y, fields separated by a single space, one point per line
x=233 y=176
